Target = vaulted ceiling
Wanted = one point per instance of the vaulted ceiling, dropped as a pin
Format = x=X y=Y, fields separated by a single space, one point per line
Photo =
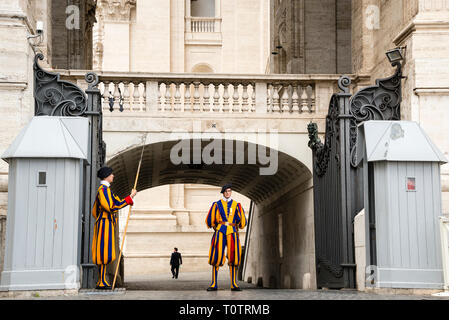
x=158 y=169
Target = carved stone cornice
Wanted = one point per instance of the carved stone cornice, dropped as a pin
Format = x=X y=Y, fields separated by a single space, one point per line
x=115 y=10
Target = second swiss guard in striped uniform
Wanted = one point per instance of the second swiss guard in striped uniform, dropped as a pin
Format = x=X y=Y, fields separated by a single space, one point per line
x=226 y=216
x=105 y=212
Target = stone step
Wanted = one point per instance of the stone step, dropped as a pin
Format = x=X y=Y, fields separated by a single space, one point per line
x=151 y=226
x=151 y=211
x=144 y=265
x=164 y=242
x=144 y=223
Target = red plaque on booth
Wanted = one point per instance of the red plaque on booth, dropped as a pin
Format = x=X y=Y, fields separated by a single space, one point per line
x=411 y=184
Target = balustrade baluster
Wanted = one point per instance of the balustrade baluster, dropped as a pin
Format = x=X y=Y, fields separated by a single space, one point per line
x=187 y=102
x=177 y=106
x=196 y=96
x=245 y=98
x=295 y=99
x=116 y=94
x=304 y=100
x=216 y=105
x=269 y=98
x=136 y=97
x=284 y=99
x=144 y=97
x=235 y=98
x=159 y=97
x=105 y=101
x=276 y=100
x=206 y=98
x=226 y=98
x=311 y=94
x=253 y=98
x=167 y=104
x=126 y=96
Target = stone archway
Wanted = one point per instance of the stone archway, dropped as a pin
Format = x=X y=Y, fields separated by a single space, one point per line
x=283 y=214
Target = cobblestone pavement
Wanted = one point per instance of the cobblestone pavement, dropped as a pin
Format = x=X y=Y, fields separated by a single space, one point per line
x=192 y=286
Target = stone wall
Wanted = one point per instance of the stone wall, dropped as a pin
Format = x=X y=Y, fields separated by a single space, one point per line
x=422 y=27
x=156 y=36
x=281 y=252
x=18 y=19
x=311 y=36
x=71 y=39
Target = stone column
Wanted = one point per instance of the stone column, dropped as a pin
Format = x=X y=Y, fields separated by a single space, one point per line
x=187 y=16
x=365 y=22
x=114 y=17
x=426 y=66
x=178 y=205
x=217 y=15
x=177 y=31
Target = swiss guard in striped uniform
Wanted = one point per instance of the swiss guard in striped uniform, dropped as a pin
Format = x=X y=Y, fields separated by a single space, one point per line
x=226 y=216
x=105 y=211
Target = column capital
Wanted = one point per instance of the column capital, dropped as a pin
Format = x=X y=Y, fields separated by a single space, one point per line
x=115 y=10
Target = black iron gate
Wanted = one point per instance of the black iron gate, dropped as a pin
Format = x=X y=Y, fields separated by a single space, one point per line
x=55 y=97
x=337 y=179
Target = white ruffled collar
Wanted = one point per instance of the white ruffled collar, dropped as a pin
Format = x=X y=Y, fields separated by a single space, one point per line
x=227 y=200
x=107 y=184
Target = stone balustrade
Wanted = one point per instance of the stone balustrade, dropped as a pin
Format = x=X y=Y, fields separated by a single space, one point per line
x=210 y=93
x=202 y=24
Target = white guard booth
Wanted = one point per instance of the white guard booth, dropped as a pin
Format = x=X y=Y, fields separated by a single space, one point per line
x=402 y=191
x=46 y=165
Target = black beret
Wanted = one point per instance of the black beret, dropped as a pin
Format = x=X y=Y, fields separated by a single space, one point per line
x=104 y=172
x=226 y=186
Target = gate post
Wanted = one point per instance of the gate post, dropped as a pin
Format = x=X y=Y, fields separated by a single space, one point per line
x=97 y=150
x=346 y=118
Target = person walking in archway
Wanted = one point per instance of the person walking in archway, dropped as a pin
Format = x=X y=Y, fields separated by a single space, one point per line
x=105 y=210
x=226 y=216
x=175 y=262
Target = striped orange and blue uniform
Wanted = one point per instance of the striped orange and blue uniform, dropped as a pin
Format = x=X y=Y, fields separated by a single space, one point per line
x=105 y=211
x=225 y=236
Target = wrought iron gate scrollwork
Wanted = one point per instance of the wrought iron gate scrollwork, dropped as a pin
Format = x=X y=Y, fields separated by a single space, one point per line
x=55 y=97
x=322 y=151
x=336 y=177
x=379 y=102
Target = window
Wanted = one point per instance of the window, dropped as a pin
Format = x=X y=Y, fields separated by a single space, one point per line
x=42 y=178
x=202 y=8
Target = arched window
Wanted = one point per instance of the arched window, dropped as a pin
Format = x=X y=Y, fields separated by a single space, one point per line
x=202 y=68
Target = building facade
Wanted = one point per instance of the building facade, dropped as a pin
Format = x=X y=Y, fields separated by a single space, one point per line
x=259 y=45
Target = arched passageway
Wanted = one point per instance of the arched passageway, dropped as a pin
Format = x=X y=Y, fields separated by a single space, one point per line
x=280 y=241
